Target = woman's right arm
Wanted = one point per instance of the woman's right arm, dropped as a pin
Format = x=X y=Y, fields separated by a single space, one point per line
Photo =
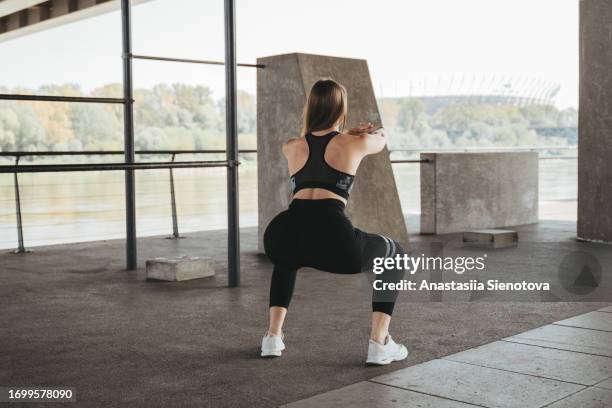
x=371 y=143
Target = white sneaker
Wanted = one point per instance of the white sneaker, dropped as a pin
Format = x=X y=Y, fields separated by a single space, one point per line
x=383 y=354
x=272 y=346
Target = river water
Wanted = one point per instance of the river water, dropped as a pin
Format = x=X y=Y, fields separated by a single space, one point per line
x=77 y=207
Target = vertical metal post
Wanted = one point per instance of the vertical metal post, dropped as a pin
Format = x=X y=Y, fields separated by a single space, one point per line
x=20 y=248
x=175 y=231
x=231 y=131
x=128 y=128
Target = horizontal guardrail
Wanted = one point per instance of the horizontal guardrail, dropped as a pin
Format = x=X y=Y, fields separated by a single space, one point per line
x=114 y=152
x=485 y=148
x=54 y=98
x=81 y=167
x=51 y=168
x=191 y=61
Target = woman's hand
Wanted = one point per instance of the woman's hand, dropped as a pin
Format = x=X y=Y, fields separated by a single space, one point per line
x=369 y=139
x=363 y=128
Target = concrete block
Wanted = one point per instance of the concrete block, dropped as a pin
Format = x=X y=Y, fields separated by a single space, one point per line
x=568 y=338
x=595 y=122
x=479 y=385
x=179 y=269
x=592 y=320
x=491 y=238
x=369 y=394
x=589 y=398
x=538 y=361
x=606 y=309
x=282 y=88
x=466 y=191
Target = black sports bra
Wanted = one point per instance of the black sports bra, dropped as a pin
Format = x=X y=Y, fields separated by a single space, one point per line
x=316 y=173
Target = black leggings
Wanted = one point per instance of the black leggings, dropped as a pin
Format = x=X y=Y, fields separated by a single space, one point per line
x=318 y=234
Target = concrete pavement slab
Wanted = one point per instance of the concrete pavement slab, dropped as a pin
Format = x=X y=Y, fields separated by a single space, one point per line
x=589 y=398
x=593 y=320
x=567 y=338
x=479 y=385
x=555 y=364
x=607 y=384
x=369 y=394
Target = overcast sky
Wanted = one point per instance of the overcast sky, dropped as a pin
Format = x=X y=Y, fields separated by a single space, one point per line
x=404 y=41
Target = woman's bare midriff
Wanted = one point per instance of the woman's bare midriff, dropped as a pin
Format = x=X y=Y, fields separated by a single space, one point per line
x=317 y=194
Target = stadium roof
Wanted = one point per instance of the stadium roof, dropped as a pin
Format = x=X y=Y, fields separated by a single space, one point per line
x=22 y=17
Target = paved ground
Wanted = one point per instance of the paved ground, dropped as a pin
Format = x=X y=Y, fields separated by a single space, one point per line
x=72 y=316
x=567 y=364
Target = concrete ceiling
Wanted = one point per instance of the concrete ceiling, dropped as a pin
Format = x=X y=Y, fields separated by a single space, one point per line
x=23 y=17
x=11 y=6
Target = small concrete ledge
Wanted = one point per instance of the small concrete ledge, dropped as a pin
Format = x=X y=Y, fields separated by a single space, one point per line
x=179 y=269
x=491 y=238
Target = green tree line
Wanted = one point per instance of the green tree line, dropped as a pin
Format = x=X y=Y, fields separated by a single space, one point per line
x=469 y=125
x=180 y=116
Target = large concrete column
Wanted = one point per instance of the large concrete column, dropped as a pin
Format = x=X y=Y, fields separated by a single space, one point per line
x=282 y=87
x=595 y=122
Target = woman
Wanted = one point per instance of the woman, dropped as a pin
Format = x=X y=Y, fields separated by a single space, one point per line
x=314 y=231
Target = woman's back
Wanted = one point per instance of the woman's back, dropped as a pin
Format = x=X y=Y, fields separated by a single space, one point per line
x=339 y=154
x=325 y=152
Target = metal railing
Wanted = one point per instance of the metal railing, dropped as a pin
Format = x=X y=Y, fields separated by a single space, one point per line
x=483 y=150
x=192 y=61
x=398 y=161
x=80 y=167
x=56 y=98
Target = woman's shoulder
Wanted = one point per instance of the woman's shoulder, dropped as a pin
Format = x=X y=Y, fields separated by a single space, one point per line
x=295 y=141
x=347 y=138
x=364 y=143
x=294 y=144
x=345 y=134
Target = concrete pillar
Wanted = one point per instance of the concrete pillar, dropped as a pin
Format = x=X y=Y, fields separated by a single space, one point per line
x=595 y=122
x=282 y=87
